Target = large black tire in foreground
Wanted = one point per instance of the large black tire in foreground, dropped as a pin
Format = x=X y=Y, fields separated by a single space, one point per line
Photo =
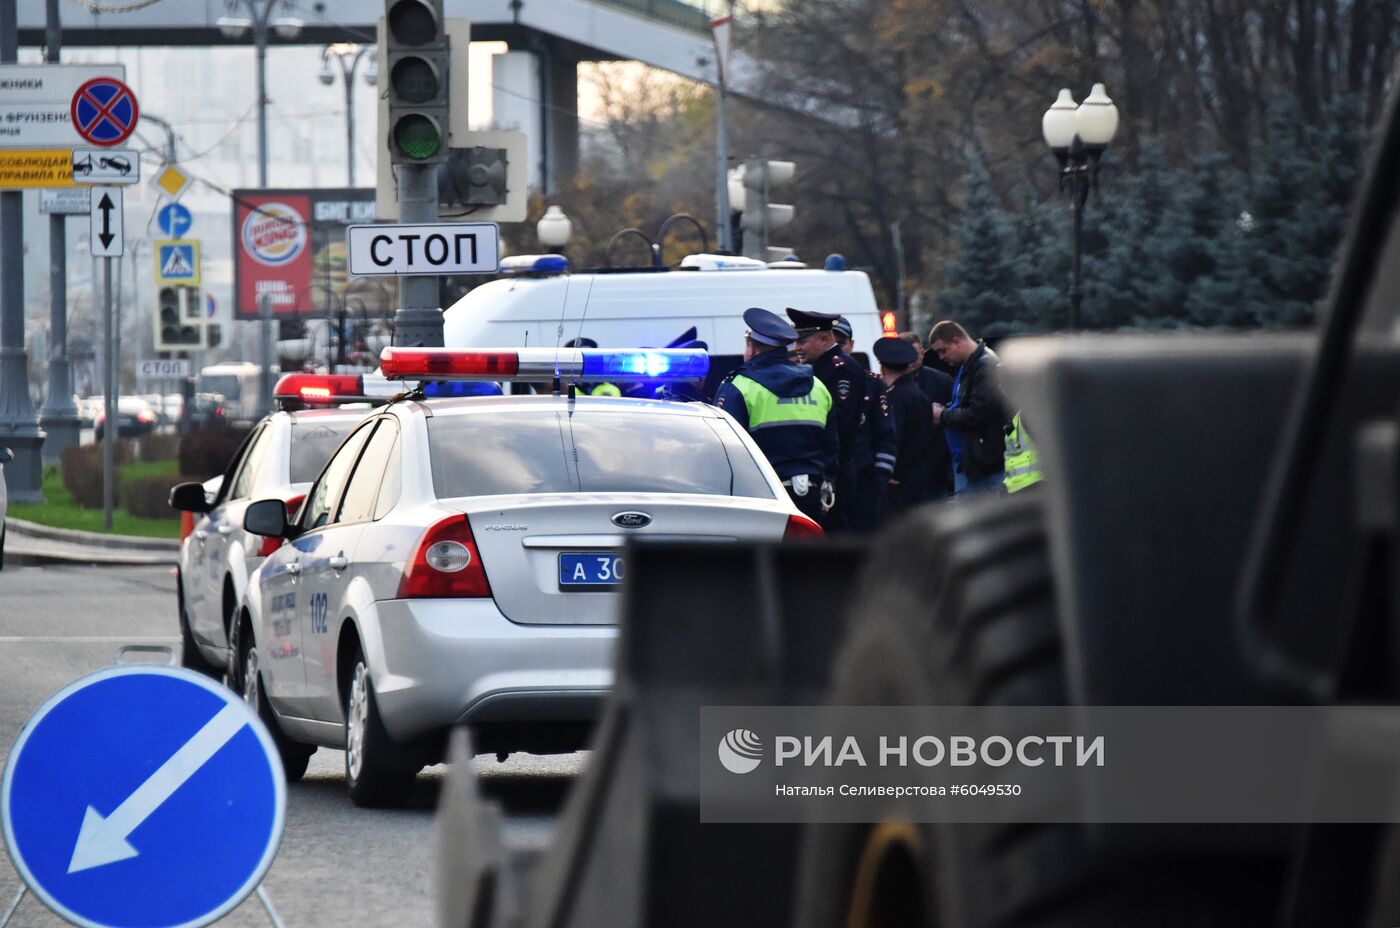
x=957 y=608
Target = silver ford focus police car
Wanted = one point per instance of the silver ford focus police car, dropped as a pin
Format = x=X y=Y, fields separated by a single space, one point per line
x=279 y=458
x=458 y=560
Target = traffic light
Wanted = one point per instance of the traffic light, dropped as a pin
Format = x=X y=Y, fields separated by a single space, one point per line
x=760 y=216
x=168 y=319
x=416 y=57
x=179 y=319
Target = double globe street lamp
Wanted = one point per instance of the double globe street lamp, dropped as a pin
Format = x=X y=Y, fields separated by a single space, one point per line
x=1078 y=134
x=348 y=56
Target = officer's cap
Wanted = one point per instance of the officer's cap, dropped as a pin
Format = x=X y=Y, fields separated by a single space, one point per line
x=894 y=352
x=842 y=326
x=583 y=342
x=808 y=321
x=768 y=328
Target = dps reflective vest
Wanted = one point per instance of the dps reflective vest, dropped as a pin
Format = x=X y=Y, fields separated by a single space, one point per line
x=1022 y=463
x=606 y=389
x=787 y=411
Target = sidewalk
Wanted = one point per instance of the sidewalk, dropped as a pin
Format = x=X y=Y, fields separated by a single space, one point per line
x=40 y=544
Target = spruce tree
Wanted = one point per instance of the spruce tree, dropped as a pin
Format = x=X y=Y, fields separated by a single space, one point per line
x=982 y=280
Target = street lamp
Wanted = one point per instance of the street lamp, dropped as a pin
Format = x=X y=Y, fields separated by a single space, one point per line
x=259 y=21
x=1078 y=136
x=348 y=57
x=554 y=230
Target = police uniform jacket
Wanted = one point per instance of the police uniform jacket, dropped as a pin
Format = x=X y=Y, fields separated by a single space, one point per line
x=913 y=480
x=793 y=445
x=845 y=380
x=877 y=442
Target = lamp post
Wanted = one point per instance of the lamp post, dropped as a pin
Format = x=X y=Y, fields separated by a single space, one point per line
x=1078 y=135
x=554 y=230
x=259 y=21
x=348 y=56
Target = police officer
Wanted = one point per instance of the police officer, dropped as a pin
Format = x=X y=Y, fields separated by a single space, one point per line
x=593 y=389
x=845 y=380
x=786 y=410
x=913 y=480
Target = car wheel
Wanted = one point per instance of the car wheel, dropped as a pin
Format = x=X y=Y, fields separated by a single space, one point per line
x=295 y=756
x=190 y=658
x=376 y=772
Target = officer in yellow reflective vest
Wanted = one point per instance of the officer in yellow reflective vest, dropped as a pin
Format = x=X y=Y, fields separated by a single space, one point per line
x=786 y=410
x=1022 y=463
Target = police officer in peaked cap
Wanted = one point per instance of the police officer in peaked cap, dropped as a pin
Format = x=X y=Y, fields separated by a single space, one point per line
x=845 y=380
x=786 y=409
x=845 y=335
x=912 y=482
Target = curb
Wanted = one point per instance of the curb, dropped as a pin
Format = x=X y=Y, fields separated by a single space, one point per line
x=168 y=546
x=22 y=554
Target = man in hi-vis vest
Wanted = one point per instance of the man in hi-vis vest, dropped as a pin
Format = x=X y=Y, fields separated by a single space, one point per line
x=786 y=410
x=1022 y=462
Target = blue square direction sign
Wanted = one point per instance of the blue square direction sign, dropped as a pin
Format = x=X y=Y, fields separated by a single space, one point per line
x=143 y=795
x=177 y=261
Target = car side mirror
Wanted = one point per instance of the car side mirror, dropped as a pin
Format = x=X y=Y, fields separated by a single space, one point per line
x=6 y=455
x=266 y=517
x=189 y=497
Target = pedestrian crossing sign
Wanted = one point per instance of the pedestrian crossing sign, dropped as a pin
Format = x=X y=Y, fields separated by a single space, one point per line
x=177 y=261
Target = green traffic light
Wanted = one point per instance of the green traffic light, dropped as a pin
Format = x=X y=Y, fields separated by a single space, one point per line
x=417 y=136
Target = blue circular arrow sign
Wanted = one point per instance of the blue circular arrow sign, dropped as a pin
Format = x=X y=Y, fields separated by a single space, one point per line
x=174 y=220
x=145 y=796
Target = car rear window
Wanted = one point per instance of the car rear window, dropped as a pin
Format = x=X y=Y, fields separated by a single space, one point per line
x=312 y=444
x=549 y=451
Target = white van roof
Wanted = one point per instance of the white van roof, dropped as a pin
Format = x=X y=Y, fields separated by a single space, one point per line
x=639 y=308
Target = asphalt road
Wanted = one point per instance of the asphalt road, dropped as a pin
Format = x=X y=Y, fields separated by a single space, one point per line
x=338 y=865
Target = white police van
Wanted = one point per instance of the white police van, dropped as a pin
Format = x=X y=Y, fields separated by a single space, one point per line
x=542 y=305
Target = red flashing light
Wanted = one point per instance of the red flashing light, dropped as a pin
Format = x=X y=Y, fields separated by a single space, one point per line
x=889 y=323
x=319 y=388
x=801 y=527
x=445 y=564
x=425 y=363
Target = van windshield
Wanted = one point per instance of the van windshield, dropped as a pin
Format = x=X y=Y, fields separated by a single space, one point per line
x=227 y=384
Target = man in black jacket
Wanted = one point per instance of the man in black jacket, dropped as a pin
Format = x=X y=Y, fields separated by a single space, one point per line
x=913 y=480
x=845 y=381
x=974 y=422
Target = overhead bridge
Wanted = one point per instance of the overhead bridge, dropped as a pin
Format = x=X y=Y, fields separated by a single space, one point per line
x=672 y=35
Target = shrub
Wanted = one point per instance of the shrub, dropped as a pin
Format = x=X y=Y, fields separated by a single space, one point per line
x=157 y=447
x=81 y=467
x=205 y=453
x=149 y=497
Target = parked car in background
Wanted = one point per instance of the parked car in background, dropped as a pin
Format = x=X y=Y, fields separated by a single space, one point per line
x=135 y=417
x=209 y=410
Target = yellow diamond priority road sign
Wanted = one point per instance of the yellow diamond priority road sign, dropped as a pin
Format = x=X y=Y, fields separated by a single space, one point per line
x=171 y=181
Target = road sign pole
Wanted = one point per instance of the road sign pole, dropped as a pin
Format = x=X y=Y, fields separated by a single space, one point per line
x=19 y=425
x=110 y=426
x=265 y=341
x=418 y=321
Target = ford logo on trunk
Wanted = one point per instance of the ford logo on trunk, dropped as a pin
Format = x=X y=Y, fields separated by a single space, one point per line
x=631 y=519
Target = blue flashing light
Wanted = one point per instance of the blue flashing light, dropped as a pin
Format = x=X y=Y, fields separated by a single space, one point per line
x=439 y=389
x=535 y=264
x=653 y=365
x=835 y=262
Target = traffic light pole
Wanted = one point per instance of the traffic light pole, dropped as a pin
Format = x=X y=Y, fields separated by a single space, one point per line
x=418 y=321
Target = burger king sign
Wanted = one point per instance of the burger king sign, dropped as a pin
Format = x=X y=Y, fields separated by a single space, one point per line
x=274 y=252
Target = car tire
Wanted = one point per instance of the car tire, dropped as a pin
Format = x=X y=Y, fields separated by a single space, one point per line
x=190 y=658
x=377 y=772
x=962 y=613
x=295 y=755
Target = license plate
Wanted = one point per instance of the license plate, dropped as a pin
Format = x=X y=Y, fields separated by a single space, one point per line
x=589 y=571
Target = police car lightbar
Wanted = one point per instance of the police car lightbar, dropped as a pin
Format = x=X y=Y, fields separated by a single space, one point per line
x=541 y=265
x=321 y=389
x=637 y=365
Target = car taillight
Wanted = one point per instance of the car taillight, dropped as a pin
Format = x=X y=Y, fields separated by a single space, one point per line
x=144 y=416
x=270 y=545
x=445 y=564
x=799 y=527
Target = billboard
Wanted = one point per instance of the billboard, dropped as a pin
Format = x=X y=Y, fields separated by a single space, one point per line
x=289 y=245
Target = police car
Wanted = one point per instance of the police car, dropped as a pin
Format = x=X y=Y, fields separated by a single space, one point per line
x=280 y=457
x=459 y=560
